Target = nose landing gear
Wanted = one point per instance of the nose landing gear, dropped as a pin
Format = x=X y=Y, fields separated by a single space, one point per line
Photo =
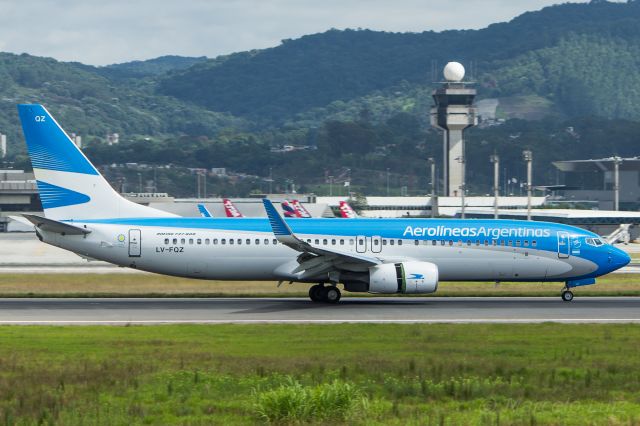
x=320 y=293
x=567 y=295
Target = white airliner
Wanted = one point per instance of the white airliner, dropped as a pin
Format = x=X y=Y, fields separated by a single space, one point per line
x=83 y=214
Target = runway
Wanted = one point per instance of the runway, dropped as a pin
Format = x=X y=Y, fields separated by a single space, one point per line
x=299 y=310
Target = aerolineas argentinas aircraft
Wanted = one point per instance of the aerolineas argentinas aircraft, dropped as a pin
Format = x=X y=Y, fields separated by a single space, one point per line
x=82 y=213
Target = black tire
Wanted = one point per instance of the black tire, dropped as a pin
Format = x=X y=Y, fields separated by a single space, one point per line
x=315 y=293
x=332 y=294
x=567 y=296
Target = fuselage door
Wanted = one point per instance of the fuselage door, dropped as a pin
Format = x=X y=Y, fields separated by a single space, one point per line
x=376 y=244
x=135 y=243
x=361 y=244
x=563 y=245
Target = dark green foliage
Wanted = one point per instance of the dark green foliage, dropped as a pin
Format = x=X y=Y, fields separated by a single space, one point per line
x=150 y=67
x=319 y=69
x=361 y=97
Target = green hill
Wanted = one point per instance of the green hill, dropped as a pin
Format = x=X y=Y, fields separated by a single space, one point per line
x=556 y=53
x=360 y=97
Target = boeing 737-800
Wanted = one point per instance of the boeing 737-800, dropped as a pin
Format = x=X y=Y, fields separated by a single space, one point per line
x=83 y=214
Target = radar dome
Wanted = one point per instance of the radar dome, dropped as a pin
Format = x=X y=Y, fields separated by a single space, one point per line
x=454 y=71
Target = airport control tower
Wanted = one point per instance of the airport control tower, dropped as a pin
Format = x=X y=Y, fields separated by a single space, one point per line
x=453 y=112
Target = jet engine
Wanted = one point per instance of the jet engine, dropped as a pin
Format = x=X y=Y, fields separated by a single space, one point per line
x=405 y=277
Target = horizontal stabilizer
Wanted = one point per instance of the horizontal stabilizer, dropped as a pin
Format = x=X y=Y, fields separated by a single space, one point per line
x=51 y=225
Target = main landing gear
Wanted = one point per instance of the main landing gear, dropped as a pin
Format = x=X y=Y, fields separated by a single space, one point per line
x=320 y=293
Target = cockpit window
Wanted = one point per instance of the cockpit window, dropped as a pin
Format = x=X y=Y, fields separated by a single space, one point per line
x=596 y=242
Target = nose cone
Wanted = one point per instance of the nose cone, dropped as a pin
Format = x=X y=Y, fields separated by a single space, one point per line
x=619 y=258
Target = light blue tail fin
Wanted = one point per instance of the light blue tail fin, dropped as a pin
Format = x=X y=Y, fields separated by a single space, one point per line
x=204 y=211
x=70 y=186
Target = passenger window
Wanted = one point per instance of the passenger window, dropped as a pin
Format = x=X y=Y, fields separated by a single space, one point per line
x=376 y=242
x=534 y=243
x=275 y=242
x=511 y=243
x=416 y=242
x=207 y=241
x=257 y=241
x=434 y=242
x=317 y=241
x=190 y=240
x=266 y=242
x=199 y=241
x=239 y=241
x=384 y=242
x=518 y=243
x=309 y=240
x=350 y=242
x=215 y=241
x=459 y=243
x=248 y=241
x=468 y=242
x=166 y=241
x=231 y=241
x=333 y=242
x=182 y=241
x=391 y=242
x=526 y=243
x=341 y=242
x=399 y=242
x=450 y=242
x=494 y=242
x=477 y=242
x=442 y=242
x=486 y=243
x=502 y=243
x=223 y=241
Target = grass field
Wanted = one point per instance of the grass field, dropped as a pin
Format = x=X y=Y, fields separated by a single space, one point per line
x=338 y=374
x=138 y=285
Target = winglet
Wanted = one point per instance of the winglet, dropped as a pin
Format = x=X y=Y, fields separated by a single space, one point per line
x=278 y=225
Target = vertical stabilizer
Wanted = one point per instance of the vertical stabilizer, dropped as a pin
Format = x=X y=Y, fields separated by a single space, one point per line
x=70 y=186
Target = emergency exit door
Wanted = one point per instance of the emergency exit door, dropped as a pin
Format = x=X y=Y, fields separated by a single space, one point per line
x=135 y=243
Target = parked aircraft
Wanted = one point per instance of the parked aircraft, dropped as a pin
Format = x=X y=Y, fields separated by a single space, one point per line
x=300 y=209
x=204 y=211
x=83 y=214
x=346 y=211
x=230 y=209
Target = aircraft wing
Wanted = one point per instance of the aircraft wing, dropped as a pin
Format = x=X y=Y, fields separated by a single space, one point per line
x=314 y=260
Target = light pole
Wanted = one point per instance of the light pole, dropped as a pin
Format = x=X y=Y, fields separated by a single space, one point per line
x=495 y=159
x=387 y=181
x=528 y=157
x=616 y=182
x=432 y=165
x=463 y=185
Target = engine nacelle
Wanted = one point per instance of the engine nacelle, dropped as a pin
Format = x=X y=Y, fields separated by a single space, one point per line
x=405 y=277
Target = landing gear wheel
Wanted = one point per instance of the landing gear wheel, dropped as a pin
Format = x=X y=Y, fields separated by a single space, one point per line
x=315 y=293
x=567 y=295
x=332 y=294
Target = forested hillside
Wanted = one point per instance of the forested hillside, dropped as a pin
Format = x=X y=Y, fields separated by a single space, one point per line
x=360 y=97
x=555 y=53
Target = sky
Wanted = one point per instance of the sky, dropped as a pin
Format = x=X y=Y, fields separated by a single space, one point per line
x=101 y=32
